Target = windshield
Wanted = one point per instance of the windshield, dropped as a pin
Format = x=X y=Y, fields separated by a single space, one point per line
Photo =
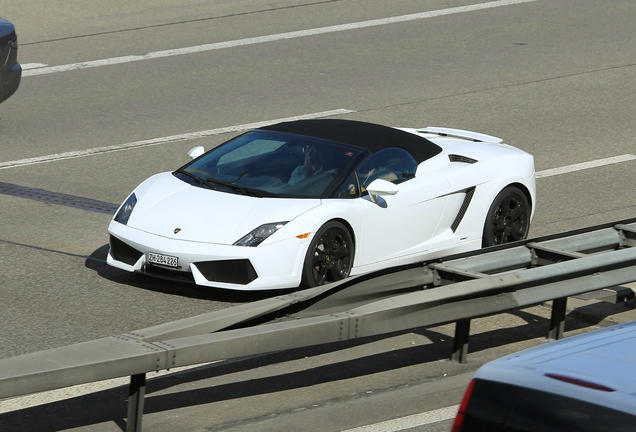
x=264 y=163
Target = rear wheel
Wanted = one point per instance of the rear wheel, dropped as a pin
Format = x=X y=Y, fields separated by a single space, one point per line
x=508 y=218
x=329 y=257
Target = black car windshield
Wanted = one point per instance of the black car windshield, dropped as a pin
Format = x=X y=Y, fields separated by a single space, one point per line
x=266 y=163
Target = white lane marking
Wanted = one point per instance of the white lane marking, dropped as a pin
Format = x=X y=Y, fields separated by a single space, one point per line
x=585 y=165
x=408 y=422
x=26 y=66
x=270 y=38
x=164 y=140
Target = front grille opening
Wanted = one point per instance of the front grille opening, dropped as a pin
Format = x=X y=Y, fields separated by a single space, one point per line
x=239 y=271
x=120 y=251
x=168 y=274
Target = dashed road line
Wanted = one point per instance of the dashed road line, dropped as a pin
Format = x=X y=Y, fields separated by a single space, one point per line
x=409 y=422
x=585 y=165
x=27 y=66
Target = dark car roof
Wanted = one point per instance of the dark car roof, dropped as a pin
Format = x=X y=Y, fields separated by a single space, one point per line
x=370 y=136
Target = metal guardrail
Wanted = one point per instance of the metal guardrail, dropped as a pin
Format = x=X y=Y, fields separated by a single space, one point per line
x=455 y=289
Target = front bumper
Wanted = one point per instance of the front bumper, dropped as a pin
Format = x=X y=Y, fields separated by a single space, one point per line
x=276 y=265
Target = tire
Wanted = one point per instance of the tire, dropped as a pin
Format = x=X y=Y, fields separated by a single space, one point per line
x=329 y=257
x=508 y=218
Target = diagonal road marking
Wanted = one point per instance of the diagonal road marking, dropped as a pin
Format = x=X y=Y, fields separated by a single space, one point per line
x=164 y=140
x=585 y=165
x=269 y=38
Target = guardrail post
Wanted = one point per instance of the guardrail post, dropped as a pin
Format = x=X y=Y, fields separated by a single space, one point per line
x=136 y=394
x=557 y=319
x=460 y=342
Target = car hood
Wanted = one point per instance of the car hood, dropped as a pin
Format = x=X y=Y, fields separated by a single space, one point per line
x=169 y=207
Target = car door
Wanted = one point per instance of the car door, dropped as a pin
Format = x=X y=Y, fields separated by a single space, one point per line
x=400 y=225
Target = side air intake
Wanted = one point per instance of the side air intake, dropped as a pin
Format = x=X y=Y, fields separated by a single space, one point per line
x=462 y=211
x=462 y=159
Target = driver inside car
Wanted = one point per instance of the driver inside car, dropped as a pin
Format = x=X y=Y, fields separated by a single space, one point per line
x=312 y=165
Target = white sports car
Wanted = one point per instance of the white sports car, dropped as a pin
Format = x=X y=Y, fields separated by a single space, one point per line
x=303 y=203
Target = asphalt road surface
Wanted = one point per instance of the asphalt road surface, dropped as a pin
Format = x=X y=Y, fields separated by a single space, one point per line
x=116 y=91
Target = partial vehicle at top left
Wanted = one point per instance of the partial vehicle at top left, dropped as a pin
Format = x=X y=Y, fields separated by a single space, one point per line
x=10 y=69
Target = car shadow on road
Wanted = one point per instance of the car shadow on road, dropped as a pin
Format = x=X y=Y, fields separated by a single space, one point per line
x=97 y=262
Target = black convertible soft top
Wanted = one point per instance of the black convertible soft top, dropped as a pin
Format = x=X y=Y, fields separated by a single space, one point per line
x=370 y=136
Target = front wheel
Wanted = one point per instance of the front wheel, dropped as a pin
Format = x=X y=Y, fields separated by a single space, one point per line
x=329 y=257
x=508 y=218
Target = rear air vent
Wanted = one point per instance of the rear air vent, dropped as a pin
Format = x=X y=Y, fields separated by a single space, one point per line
x=462 y=159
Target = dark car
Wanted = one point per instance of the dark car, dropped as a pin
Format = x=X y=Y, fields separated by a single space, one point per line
x=10 y=69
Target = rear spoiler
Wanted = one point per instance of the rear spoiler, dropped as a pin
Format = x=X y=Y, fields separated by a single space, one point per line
x=459 y=133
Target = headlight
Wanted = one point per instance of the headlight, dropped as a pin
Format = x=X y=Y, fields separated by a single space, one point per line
x=259 y=235
x=126 y=209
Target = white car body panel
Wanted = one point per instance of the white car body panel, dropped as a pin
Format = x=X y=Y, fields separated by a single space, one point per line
x=410 y=221
x=418 y=215
x=206 y=220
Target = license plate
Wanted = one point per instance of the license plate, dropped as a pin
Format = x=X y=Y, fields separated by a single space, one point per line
x=165 y=260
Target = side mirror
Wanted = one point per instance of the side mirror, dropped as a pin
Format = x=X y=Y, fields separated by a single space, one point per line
x=379 y=187
x=195 y=152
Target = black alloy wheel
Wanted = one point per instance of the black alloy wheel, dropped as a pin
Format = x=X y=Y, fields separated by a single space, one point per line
x=508 y=219
x=329 y=257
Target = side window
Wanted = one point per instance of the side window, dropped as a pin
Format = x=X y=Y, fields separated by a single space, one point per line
x=392 y=164
x=350 y=188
